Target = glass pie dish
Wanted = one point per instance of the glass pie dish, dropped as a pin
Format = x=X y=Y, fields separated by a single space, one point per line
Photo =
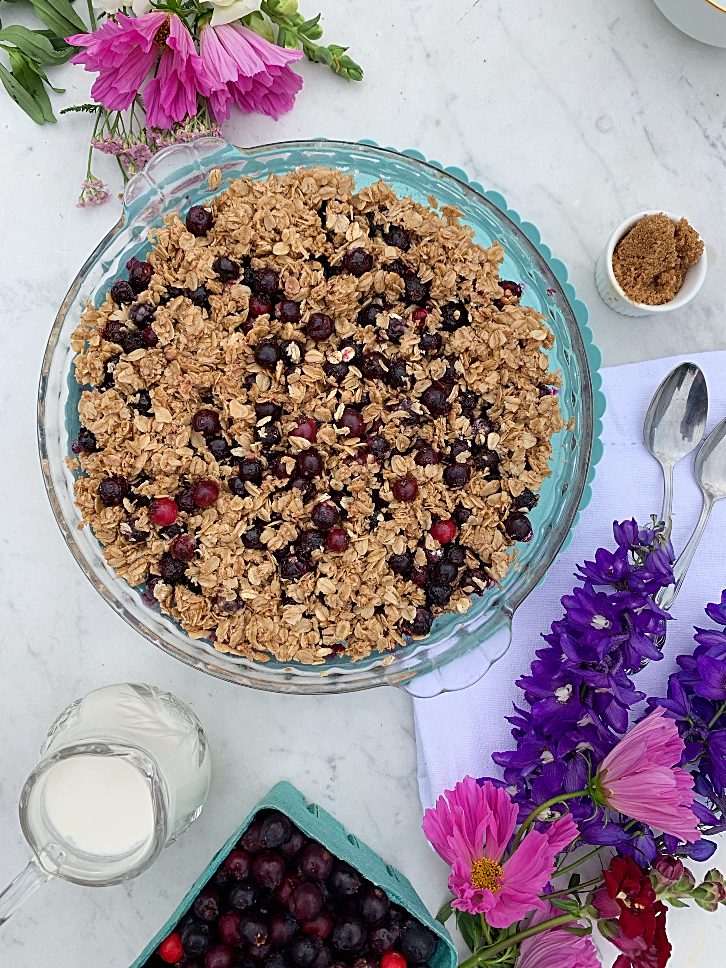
x=460 y=648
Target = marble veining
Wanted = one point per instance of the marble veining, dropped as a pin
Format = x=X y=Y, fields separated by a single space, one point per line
x=580 y=114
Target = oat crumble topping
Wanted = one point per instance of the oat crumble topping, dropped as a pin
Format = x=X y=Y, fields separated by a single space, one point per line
x=314 y=419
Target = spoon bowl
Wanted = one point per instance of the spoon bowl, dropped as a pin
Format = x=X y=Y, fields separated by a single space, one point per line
x=675 y=423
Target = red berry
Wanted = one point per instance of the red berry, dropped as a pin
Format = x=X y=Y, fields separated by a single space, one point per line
x=183 y=548
x=392 y=959
x=405 y=488
x=419 y=314
x=352 y=421
x=163 y=511
x=205 y=493
x=148 y=335
x=171 y=949
x=336 y=540
x=308 y=430
x=443 y=531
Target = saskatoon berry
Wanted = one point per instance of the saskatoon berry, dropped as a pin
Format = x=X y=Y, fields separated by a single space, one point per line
x=185 y=501
x=268 y=868
x=130 y=342
x=219 y=449
x=398 y=237
x=307 y=429
x=304 y=950
x=284 y=891
x=405 y=488
x=268 y=435
x=220 y=956
x=252 y=837
x=121 y=292
x=277 y=959
x=374 y=905
x=336 y=540
x=357 y=261
x=369 y=314
x=140 y=276
x=517 y=526
x=320 y=927
x=252 y=538
x=374 y=366
x=352 y=421
x=195 y=939
x=349 y=935
x=454 y=315
x=253 y=930
x=206 y=906
x=258 y=953
x=276 y=830
x=336 y=371
x=226 y=269
x=421 y=624
x=455 y=554
x=345 y=881
x=401 y=564
x=267 y=354
x=199 y=297
x=205 y=493
x=306 y=901
x=141 y=314
x=309 y=463
x=319 y=327
x=457 y=475
x=324 y=958
x=438 y=593
x=250 y=469
x=430 y=342
x=324 y=515
x=378 y=447
x=445 y=571
x=316 y=863
x=149 y=337
x=292 y=568
x=199 y=221
x=288 y=311
x=282 y=929
x=207 y=423
x=426 y=455
x=112 y=490
x=475 y=581
x=435 y=399
x=297 y=839
x=416 y=291
x=268 y=409
x=265 y=281
x=259 y=306
x=384 y=936
x=418 y=943
x=526 y=500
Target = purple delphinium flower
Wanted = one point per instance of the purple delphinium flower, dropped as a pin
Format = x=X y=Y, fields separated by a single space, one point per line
x=696 y=699
x=579 y=690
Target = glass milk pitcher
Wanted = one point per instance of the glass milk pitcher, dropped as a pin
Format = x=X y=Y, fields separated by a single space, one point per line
x=123 y=772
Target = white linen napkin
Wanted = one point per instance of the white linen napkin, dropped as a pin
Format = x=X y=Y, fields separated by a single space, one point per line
x=457 y=732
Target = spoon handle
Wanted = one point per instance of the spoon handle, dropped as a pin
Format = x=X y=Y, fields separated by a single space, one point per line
x=667 y=509
x=667 y=596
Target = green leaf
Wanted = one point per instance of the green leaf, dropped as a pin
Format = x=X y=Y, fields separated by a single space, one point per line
x=24 y=99
x=573 y=881
x=675 y=902
x=27 y=74
x=470 y=929
x=32 y=43
x=84 y=108
x=59 y=16
x=305 y=26
x=566 y=904
x=444 y=913
x=37 y=69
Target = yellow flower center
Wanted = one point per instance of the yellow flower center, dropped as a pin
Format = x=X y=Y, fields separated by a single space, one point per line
x=486 y=875
x=162 y=34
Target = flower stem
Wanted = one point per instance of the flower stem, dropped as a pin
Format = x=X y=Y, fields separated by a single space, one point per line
x=573 y=890
x=718 y=714
x=91 y=14
x=577 y=863
x=484 y=954
x=541 y=809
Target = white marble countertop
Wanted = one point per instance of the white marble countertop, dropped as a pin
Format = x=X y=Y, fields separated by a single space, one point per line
x=580 y=114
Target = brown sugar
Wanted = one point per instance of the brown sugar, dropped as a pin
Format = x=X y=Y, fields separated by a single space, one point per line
x=651 y=260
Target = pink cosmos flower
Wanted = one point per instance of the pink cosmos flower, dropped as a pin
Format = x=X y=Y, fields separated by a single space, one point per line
x=556 y=948
x=640 y=778
x=471 y=827
x=247 y=70
x=122 y=51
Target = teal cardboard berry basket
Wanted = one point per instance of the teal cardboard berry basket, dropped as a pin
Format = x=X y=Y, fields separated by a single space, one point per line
x=319 y=825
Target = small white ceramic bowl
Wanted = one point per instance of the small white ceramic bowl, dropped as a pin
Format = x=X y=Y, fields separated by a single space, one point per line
x=611 y=291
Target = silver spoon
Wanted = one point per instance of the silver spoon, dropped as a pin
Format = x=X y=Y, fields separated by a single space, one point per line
x=675 y=422
x=710 y=470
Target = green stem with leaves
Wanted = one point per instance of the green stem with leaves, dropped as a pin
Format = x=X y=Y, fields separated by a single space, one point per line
x=484 y=955
x=541 y=809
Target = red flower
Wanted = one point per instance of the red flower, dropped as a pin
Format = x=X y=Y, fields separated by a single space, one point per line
x=634 y=919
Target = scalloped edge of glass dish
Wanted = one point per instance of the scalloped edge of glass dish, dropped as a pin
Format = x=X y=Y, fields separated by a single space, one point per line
x=582 y=313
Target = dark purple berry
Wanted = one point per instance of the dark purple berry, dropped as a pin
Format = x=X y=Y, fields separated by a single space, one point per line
x=374 y=905
x=268 y=867
x=220 y=956
x=185 y=501
x=148 y=335
x=243 y=896
x=524 y=501
x=457 y=475
x=352 y=421
x=87 y=443
x=141 y=314
x=425 y=456
x=436 y=399
x=205 y=493
x=226 y=269
x=265 y=282
x=438 y=593
x=418 y=943
x=374 y=366
x=276 y=830
x=268 y=409
x=384 y=937
x=405 y=488
x=250 y=469
x=349 y=935
x=282 y=929
x=309 y=463
x=336 y=371
x=455 y=554
x=199 y=297
x=195 y=939
x=206 y=906
x=369 y=314
x=475 y=580
x=253 y=930
x=219 y=449
x=511 y=289
x=325 y=515
x=316 y=863
x=397 y=237
x=306 y=901
x=292 y=568
x=357 y=261
x=430 y=342
x=171 y=569
x=183 y=548
x=421 y=624
x=252 y=537
x=131 y=341
x=416 y=291
x=140 y=276
x=288 y=311
x=267 y=354
x=319 y=327
x=259 y=306
x=207 y=423
x=396 y=329
x=121 y=292
x=309 y=541
x=517 y=526
x=454 y=315
x=336 y=540
x=199 y=221
x=112 y=490
x=304 y=950
x=294 y=845
x=445 y=571
x=268 y=435
x=467 y=401
x=401 y=564
x=113 y=331
x=345 y=881
x=320 y=927
x=378 y=447
x=487 y=460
